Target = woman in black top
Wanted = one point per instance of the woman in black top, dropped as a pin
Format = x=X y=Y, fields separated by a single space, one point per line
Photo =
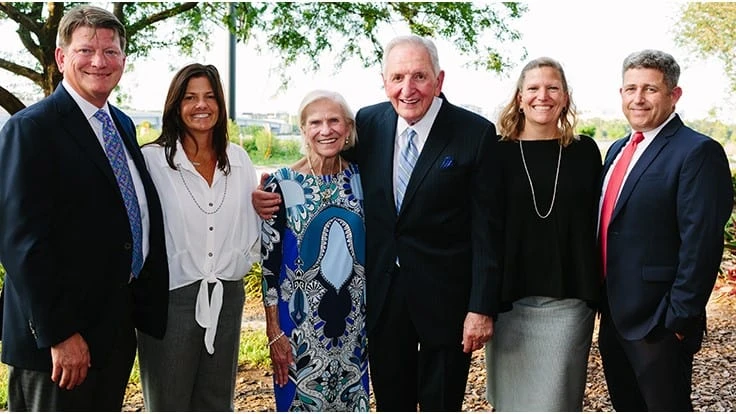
x=537 y=359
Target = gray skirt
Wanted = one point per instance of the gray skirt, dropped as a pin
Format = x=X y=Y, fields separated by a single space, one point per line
x=537 y=359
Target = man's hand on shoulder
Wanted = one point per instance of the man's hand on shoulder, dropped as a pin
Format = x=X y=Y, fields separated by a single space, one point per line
x=265 y=203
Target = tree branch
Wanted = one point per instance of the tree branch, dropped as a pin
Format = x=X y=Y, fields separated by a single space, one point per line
x=20 y=18
x=28 y=43
x=163 y=15
x=20 y=70
x=9 y=102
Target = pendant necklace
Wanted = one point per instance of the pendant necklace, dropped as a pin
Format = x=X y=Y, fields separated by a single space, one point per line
x=321 y=184
x=531 y=185
x=219 y=206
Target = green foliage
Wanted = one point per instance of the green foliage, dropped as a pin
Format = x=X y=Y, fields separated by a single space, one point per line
x=38 y=22
x=604 y=129
x=267 y=150
x=588 y=130
x=3 y=387
x=709 y=30
x=254 y=350
x=303 y=32
x=729 y=246
x=2 y=277
x=717 y=130
x=612 y=129
x=145 y=134
x=253 y=282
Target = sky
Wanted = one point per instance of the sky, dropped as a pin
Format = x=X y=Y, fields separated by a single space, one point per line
x=589 y=39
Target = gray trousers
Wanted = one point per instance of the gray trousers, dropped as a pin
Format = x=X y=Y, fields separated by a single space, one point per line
x=177 y=373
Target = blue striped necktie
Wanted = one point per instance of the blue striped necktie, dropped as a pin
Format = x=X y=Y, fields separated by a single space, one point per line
x=119 y=163
x=407 y=159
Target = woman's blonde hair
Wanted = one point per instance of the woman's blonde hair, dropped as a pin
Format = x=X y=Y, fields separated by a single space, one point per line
x=511 y=120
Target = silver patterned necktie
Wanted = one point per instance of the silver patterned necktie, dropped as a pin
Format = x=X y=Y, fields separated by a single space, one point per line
x=407 y=159
x=119 y=163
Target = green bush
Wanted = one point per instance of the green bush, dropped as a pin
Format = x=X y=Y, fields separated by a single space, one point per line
x=254 y=350
x=253 y=282
x=144 y=134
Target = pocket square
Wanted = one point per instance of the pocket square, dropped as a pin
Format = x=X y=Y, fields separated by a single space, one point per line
x=447 y=162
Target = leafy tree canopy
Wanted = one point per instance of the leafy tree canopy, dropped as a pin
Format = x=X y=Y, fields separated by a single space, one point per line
x=709 y=30
x=301 y=32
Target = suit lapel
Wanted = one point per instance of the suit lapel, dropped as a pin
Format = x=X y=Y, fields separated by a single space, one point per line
x=439 y=136
x=77 y=127
x=386 y=142
x=611 y=156
x=649 y=155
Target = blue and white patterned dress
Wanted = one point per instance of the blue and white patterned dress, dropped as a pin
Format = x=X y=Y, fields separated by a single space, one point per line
x=313 y=270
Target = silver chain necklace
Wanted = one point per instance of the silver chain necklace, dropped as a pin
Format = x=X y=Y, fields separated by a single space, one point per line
x=219 y=206
x=321 y=184
x=531 y=185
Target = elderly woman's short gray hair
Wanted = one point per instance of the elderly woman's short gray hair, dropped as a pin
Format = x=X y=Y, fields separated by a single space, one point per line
x=321 y=94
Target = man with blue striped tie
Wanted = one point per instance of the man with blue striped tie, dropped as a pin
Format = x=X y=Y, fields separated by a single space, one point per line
x=81 y=233
x=431 y=267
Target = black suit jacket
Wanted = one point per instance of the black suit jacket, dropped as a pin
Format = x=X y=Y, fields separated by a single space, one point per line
x=665 y=238
x=65 y=240
x=443 y=233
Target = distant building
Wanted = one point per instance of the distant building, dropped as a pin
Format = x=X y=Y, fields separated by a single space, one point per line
x=152 y=117
x=276 y=126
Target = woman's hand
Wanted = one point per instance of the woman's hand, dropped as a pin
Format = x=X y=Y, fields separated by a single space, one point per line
x=281 y=359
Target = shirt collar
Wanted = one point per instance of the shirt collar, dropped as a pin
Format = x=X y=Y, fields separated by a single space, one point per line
x=649 y=135
x=87 y=108
x=424 y=125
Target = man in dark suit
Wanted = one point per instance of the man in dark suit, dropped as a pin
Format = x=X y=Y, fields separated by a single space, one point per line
x=666 y=197
x=431 y=266
x=431 y=290
x=83 y=248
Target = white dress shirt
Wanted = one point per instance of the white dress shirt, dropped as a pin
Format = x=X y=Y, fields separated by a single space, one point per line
x=89 y=111
x=422 y=128
x=201 y=247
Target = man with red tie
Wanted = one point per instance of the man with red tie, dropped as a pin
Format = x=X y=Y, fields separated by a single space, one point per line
x=665 y=199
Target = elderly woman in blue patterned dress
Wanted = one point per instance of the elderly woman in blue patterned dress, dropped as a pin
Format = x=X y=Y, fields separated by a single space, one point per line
x=313 y=274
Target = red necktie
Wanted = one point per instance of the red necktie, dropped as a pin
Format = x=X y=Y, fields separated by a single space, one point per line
x=612 y=190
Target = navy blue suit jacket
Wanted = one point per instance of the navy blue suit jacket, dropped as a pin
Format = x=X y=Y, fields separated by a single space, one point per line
x=665 y=238
x=65 y=240
x=443 y=233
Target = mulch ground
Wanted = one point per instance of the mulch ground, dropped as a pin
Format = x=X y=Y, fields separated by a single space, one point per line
x=714 y=371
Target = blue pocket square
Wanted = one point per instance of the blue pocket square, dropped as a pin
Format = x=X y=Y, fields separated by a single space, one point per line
x=447 y=162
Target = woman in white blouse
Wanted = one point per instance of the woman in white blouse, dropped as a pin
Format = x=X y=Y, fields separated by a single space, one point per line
x=212 y=239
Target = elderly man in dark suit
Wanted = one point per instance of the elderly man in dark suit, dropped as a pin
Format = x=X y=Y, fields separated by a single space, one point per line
x=432 y=235
x=81 y=233
x=431 y=265
x=666 y=197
